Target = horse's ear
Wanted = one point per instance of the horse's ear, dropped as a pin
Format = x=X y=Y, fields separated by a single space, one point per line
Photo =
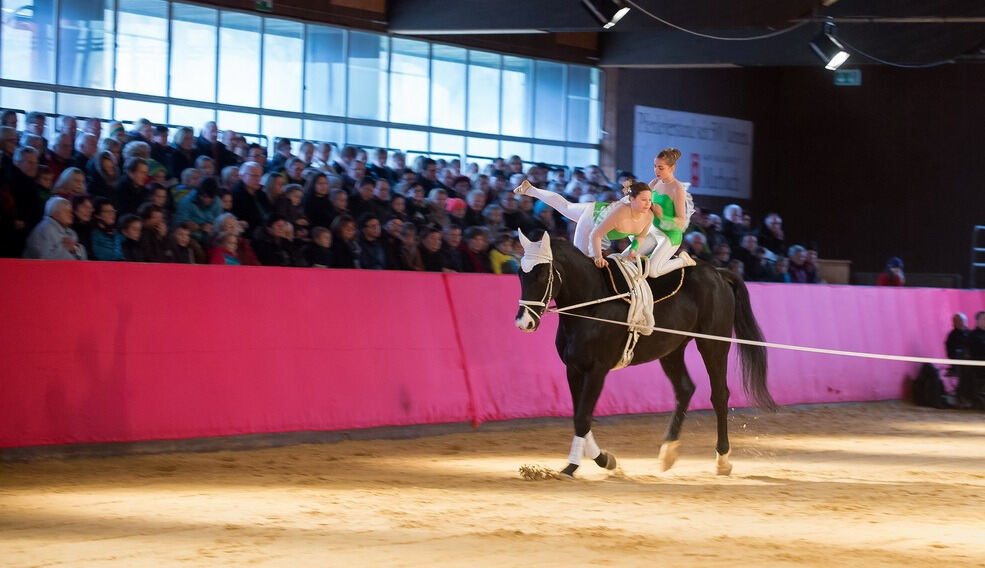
x=524 y=241
x=545 y=244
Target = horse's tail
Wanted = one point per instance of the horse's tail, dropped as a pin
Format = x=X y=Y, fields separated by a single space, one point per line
x=753 y=357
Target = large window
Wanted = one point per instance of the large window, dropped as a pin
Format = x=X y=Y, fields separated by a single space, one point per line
x=239 y=59
x=324 y=89
x=193 y=48
x=283 y=57
x=142 y=47
x=267 y=76
x=367 y=75
x=409 y=82
x=517 y=79
x=84 y=105
x=549 y=106
x=85 y=38
x=448 y=86
x=584 y=109
x=484 y=95
x=27 y=49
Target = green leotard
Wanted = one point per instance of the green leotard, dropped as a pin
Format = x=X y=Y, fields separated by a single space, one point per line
x=601 y=209
x=667 y=204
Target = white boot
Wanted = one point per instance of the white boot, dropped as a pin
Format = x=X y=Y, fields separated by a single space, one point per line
x=688 y=261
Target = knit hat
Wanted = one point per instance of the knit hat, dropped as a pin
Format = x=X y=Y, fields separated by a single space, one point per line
x=454 y=204
x=153 y=167
x=894 y=262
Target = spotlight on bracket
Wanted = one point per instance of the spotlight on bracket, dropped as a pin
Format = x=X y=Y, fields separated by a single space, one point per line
x=607 y=12
x=828 y=48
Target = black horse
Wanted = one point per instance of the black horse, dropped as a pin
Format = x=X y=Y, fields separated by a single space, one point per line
x=710 y=301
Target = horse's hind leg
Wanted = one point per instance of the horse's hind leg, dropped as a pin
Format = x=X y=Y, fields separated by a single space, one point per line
x=585 y=390
x=676 y=371
x=715 y=356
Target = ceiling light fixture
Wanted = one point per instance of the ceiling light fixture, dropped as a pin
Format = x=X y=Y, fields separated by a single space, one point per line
x=607 y=12
x=828 y=48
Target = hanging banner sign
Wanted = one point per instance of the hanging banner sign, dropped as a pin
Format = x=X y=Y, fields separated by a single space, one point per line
x=716 y=151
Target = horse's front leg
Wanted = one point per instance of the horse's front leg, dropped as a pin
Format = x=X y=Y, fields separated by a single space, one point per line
x=585 y=390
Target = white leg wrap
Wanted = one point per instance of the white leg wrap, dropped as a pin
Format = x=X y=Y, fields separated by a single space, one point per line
x=722 y=464
x=592 y=449
x=577 y=449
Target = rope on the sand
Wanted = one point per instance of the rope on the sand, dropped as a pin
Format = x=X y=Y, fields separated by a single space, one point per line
x=907 y=358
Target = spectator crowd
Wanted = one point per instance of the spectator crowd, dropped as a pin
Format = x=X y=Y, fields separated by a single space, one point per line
x=154 y=194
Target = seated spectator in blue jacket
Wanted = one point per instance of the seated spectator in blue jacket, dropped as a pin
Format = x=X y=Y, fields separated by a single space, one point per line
x=200 y=207
x=106 y=241
x=53 y=238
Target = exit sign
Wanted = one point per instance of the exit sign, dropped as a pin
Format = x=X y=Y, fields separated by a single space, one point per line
x=848 y=77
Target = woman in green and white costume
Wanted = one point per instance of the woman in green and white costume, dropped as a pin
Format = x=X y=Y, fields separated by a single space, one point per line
x=672 y=209
x=596 y=222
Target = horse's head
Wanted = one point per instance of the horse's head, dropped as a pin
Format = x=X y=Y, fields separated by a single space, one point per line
x=539 y=282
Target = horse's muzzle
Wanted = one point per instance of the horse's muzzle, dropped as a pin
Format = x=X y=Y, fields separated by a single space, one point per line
x=526 y=322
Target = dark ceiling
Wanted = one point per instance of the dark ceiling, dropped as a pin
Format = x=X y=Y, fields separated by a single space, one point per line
x=898 y=31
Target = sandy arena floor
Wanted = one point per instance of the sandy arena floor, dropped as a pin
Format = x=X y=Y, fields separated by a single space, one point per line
x=853 y=485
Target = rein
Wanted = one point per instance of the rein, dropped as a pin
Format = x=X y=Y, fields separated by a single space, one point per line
x=542 y=303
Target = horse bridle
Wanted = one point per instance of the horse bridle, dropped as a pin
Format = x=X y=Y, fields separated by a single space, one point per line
x=548 y=292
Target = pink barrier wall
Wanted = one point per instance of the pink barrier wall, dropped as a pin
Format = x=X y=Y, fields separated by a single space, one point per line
x=105 y=352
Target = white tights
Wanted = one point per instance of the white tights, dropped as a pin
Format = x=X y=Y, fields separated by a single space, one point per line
x=583 y=214
x=659 y=248
x=656 y=244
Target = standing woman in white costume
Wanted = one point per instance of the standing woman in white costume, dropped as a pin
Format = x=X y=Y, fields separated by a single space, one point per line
x=596 y=220
x=672 y=209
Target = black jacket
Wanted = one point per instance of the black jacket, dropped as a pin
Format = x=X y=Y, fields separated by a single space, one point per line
x=272 y=251
x=218 y=152
x=345 y=254
x=178 y=161
x=248 y=207
x=127 y=196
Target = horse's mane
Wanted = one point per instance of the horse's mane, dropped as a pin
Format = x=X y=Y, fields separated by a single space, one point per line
x=578 y=268
x=568 y=252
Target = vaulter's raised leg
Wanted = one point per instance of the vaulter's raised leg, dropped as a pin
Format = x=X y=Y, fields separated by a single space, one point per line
x=573 y=211
x=586 y=387
x=676 y=371
x=715 y=356
x=583 y=214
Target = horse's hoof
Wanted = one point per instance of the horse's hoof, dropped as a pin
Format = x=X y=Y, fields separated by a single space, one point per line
x=569 y=472
x=606 y=460
x=668 y=454
x=722 y=465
